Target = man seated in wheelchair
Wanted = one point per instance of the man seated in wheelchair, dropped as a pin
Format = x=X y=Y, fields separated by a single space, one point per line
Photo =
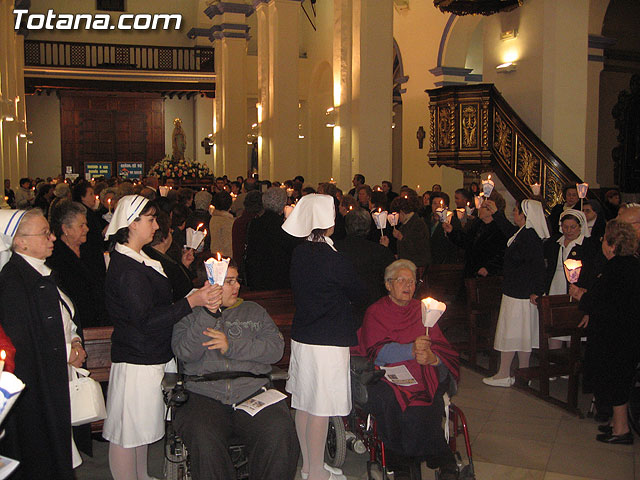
x=409 y=412
x=243 y=339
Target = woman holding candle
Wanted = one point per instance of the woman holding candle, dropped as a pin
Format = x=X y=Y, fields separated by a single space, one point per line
x=412 y=235
x=523 y=270
x=409 y=418
x=612 y=309
x=571 y=243
x=138 y=299
x=325 y=284
x=37 y=315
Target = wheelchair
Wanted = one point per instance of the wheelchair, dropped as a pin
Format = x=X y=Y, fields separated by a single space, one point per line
x=176 y=456
x=359 y=432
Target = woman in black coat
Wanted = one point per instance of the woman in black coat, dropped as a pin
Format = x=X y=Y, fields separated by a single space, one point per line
x=412 y=234
x=483 y=243
x=76 y=276
x=517 y=329
x=38 y=429
x=138 y=297
x=614 y=340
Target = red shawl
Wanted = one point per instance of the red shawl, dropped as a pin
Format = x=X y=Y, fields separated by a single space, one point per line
x=386 y=322
x=7 y=346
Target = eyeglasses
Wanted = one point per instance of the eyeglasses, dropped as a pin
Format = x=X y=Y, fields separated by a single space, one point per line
x=231 y=281
x=47 y=234
x=404 y=281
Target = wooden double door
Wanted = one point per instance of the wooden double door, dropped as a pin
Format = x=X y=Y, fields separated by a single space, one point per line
x=111 y=128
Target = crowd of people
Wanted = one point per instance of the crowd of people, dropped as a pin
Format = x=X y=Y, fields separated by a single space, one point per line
x=115 y=252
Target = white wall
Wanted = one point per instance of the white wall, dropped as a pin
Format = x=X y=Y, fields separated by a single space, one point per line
x=44 y=156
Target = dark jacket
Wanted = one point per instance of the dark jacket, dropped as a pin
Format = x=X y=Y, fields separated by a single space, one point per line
x=324 y=284
x=92 y=251
x=38 y=429
x=268 y=255
x=443 y=250
x=414 y=245
x=180 y=277
x=484 y=245
x=369 y=259
x=83 y=286
x=586 y=252
x=597 y=232
x=523 y=266
x=138 y=300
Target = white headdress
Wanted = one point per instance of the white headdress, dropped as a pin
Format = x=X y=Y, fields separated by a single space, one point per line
x=128 y=209
x=9 y=221
x=312 y=211
x=535 y=217
x=582 y=220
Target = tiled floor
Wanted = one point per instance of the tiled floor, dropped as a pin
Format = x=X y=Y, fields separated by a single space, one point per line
x=514 y=437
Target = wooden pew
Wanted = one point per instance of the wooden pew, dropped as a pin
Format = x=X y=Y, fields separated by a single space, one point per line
x=97 y=344
x=484 y=295
x=445 y=283
x=559 y=316
x=281 y=308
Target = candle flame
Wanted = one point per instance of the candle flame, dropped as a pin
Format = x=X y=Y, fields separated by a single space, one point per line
x=350 y=207
x=219 y=256
x=379 y=210
x=489 y=177
x=3 y=355
x=200 y=225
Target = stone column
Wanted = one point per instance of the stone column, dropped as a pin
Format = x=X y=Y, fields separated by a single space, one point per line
x=230 y=42
x=278 y=52
x=13 y=141
x=372 y=96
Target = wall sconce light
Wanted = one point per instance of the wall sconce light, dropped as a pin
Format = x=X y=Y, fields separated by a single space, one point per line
x=8 y=117
x=300 y=132
x=509 y=34
x=331 y=117
x=506 y=67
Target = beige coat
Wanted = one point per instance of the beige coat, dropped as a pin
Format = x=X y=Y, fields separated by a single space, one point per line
x=220 y=228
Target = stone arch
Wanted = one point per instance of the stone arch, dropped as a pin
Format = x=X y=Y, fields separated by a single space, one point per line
x=455 y=44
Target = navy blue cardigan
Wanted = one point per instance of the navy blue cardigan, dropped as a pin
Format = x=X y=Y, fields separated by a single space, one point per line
x=138 y=300
x=324 y=284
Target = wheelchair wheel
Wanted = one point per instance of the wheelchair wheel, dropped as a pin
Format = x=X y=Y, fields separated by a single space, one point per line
x=335 y=449
x=175 y=456
x=633 y=410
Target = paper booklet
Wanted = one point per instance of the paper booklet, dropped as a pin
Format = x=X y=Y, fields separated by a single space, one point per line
x=399 y=375
x=7 y=466
x=263 y=400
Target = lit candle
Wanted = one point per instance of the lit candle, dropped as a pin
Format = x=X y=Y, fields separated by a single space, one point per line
x=217 y=269
x=432 y=310
x=535 y=189
x=468 y=208
x=572 y=269
x=3 y=357
x=332 y=181
x=487 y=186
x=109 y=203
x=289 y=192
x=200 y=225
x=380 y=219
x=460 y=213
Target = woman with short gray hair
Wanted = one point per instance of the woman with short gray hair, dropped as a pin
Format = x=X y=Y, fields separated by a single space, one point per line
x=274 y=200
x=77 y=277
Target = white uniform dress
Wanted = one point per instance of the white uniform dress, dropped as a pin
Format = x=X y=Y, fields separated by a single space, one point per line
x=135 y=406
x=319 y=380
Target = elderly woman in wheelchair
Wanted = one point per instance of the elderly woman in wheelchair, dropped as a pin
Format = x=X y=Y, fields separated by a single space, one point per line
x=408 y=402
x=243 y=339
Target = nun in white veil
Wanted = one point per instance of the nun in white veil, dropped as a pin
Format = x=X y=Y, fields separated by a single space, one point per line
x=524 y=282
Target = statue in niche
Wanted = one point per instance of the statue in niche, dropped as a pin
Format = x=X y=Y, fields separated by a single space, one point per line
x=178 y=140
x=626 y=156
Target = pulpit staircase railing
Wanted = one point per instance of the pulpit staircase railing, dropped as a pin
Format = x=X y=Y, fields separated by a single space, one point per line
x=474 y=128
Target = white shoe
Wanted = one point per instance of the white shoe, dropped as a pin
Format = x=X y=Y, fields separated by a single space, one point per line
x=328 y=468
x=499 y=382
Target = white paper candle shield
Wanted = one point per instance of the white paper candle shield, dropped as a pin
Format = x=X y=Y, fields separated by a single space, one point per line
x=582 y=189
x=10 y=388
x=287 y=210
x=487 y=186
x=432 y=310
x=572 y=269
x=380 y=219
x=468 y=209
x=393 y=218
x=217 y=269
x=478 y=200
x=164 y=190
x=460 y=213
x=195 y=238
x=535 y=189
x=443 y=214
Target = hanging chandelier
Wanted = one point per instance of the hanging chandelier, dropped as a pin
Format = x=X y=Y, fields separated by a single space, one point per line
x=475 y=7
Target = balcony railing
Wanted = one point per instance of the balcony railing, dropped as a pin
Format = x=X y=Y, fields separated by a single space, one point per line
x=41 y=53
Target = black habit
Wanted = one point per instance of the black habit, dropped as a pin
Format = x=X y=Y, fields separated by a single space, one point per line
x=586 y=253
x=38 y=429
